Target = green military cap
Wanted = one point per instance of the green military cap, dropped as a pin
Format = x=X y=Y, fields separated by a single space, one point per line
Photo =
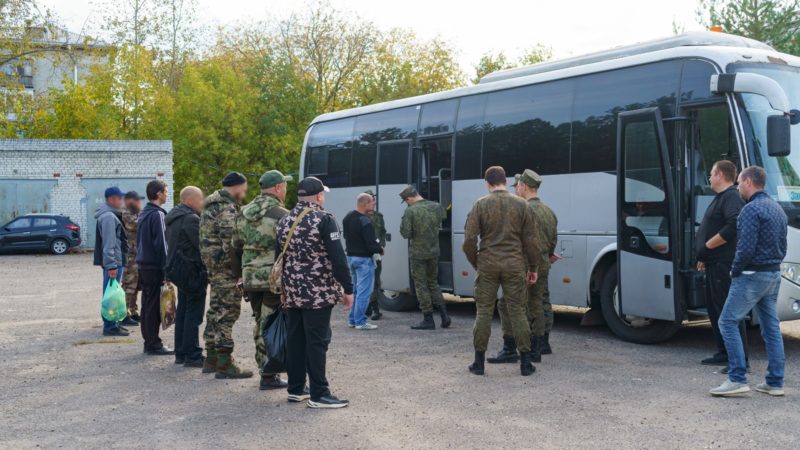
x=516 y=180
x=529 y=178
x=273 y=178
x=408 y=191
x=369 y=191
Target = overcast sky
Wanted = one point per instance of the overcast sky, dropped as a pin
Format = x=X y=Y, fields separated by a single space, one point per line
x=569 y=27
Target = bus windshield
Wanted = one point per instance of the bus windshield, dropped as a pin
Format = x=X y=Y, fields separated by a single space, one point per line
x=783 y=173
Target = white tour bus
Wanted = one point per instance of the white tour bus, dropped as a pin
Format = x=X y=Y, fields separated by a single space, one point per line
x=624 y=140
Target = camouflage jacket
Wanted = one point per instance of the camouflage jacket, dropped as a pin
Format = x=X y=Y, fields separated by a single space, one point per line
x=216 y=231
x=420 y=225
x=129 y=219
x=546 y=227
x=379 y=226
x=254 y=236
x=507 y=230
x=315 y=270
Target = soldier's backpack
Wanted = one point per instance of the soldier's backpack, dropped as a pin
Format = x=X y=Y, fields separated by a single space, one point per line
x=275 y=283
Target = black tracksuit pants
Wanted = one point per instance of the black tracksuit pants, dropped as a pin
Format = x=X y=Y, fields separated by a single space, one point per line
x=188 y=317
x=151 y=281
x=718 y=283
x=308 y=333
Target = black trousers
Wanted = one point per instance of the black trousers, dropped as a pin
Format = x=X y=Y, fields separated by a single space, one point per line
x=308 y=333
x=718 y=283
x=151 y=281
x=188 y=317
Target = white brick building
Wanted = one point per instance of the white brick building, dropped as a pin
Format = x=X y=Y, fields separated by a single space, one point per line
x=69 y=176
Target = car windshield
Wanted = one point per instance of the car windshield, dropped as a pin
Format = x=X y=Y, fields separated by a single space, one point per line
x=783 y=173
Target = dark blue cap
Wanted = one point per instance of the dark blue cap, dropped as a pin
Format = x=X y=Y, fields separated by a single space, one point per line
x=114 y=191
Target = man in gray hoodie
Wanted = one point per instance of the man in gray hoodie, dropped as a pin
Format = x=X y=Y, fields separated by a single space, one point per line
x=110 y=248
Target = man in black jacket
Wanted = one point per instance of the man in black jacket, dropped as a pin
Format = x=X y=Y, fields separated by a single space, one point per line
x=151 y=258
x=716 y=247
x=183 y=252
x=362 y=246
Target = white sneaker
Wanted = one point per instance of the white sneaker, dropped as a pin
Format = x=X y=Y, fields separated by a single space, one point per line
x=366 y=326
x=764 y=388
x=730 y=389
x=351 y=325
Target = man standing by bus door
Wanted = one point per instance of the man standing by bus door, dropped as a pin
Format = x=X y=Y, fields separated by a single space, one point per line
x=420 y=225
x=716 y=247
x=539 y=311
x=379 y=226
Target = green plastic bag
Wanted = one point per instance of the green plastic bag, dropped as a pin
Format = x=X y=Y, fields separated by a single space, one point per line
x=114 y=308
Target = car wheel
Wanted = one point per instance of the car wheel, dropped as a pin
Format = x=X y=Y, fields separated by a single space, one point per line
x=396 y=301
x=59 y=246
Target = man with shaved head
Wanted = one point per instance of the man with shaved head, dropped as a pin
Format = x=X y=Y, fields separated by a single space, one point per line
x=362 y=246
x=185 y=268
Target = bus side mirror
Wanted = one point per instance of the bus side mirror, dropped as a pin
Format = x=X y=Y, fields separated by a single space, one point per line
x=779 y=141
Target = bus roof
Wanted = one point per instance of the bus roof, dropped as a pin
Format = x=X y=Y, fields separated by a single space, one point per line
x=710 y=45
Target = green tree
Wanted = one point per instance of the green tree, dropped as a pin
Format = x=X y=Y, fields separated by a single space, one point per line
x=776 y=22
x=492 y=62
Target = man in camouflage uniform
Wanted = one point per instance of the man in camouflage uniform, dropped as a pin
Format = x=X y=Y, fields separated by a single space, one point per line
x=380 y=232
x=224 y=272
x=254 y=238
x=500 y=243
x=540 y=312
x=420 y=225
x=130 y=277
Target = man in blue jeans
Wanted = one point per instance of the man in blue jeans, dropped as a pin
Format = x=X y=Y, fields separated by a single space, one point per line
x=110 y=247
x=362 y=246
x=760 y=248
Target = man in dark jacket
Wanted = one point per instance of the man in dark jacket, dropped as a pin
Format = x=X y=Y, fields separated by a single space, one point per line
x=715 y=248
x=315 y=277
x=760 y=249
x=362 y=246
x=183 y=251
x=109 y=248
x=151 y=258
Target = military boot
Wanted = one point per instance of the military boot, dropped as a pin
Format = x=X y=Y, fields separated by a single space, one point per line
x=477 y=366
x=546 y=350
x=426 y=324
x=226 y=368
x=445 y=318
x=508 y=354
x=210 y=364
x=526 y=368
x=536 y=348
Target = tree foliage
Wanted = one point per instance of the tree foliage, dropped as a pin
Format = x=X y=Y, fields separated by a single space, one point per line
x=492 y=62
x=776 y=22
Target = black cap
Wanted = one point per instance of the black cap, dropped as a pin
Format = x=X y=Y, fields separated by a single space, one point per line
x=311 y=186
x=133 y=195
x=234 y=179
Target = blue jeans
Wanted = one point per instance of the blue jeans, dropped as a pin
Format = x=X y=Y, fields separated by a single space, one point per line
x=107 y=326
x=757 y=291
x=362 y=269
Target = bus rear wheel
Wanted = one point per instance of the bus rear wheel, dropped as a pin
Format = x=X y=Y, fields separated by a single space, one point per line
x=639 y=330
x=397 y=301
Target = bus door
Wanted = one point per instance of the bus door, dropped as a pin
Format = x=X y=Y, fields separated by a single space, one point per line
x=393 y=174
x=645 y=219
x=433 y=170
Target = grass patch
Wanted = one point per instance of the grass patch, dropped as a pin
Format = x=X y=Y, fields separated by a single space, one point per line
x=105 y=341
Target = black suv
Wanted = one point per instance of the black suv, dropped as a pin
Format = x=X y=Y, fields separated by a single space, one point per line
x=40 y=232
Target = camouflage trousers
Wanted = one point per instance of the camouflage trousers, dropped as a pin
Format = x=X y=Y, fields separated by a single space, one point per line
x=538 y=309
x=130 y=284
x=263 y=304
x=514 y=290
x=425 y=273
x=224 y=308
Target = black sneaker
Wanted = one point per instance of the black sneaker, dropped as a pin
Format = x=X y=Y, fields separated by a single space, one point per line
x=272 y=382
x=297 y=398
x=376 y=315
x=719 y=359
x=180 y=359
x=194 y=362
x=123 y=328
x=116 y=331
x=161 y=351
x=130 y=321
x=327 y=402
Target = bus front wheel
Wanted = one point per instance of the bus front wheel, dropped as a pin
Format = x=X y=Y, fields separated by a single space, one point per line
x=639 y=330
x=397 y=301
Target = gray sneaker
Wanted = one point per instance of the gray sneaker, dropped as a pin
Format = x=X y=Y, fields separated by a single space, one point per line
x=366 y=326
x=764 y=388
x=730 y=389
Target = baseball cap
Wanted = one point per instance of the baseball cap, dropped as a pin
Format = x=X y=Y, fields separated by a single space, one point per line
x=273 y=178
x=133 y=195
x=114 y=191
x=311 y=186
x=369 y=192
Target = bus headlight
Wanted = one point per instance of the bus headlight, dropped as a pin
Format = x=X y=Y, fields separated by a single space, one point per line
x=791 y=272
